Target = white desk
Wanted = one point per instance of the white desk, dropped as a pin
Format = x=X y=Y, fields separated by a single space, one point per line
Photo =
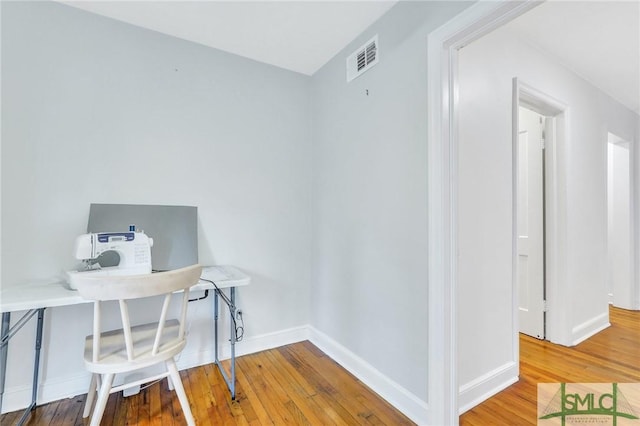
x=36 y=297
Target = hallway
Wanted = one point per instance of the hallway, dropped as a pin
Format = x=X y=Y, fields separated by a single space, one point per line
x=612 y=355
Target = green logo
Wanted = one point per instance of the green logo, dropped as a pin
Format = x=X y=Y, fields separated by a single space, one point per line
x=586 y=403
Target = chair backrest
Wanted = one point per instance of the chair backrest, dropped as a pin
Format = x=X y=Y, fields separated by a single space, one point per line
x=124 y=288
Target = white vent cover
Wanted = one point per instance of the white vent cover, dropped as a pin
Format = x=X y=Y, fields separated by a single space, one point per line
x=363 y=59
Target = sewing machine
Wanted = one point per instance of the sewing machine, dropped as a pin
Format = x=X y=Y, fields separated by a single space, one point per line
x=133 y=248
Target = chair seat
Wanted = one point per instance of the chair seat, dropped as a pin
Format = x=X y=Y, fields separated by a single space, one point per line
x=113 y=353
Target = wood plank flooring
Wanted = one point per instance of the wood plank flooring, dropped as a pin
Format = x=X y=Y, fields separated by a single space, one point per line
x=300 y=385
x=612 y=355
x=292 y=385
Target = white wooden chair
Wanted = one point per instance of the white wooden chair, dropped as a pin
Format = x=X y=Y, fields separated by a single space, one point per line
x=134 y=347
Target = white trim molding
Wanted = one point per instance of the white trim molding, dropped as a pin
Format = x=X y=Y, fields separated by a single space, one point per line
x=442 y=46
x=558 y=328
x=589 y=328
x=403 y=400
x=484 y=387
x=19 y=397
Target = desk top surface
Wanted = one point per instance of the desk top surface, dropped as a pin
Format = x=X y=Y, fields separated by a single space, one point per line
x=49 y=294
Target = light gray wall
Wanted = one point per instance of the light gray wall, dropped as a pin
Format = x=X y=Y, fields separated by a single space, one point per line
x=99 y=111
x=635 y=209
x=485 y=311
x=369 y=287
x=635 y=190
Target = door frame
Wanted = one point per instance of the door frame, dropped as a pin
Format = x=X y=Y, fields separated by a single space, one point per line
x=442 y=89
x=535 y=308
x=633 y=284
x=557 y=135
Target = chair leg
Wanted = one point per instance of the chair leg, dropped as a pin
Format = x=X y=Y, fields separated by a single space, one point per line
x=182 y=396
x=91 y=394
x=103 y=395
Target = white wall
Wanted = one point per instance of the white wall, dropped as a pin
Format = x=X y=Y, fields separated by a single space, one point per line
x=635 y=184
x=370 y=198
x=486 y=323
x=351 y=208
x=99 y=111
x=0 y=157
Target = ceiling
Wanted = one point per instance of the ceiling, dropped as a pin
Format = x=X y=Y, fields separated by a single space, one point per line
x=599 y=40
x=300 y=36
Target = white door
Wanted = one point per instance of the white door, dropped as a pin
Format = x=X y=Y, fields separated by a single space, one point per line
x=530 y=212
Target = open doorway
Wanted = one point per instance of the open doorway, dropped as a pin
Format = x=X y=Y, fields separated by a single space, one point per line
x=619 y=235
x=572 y=232
x=465 y=241
x=530 y=222
x=539 y=123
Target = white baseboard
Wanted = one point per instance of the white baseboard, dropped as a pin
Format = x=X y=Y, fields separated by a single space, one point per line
x=487 y=385
x=403 y=400
x=589 y=328
x=247 y=346
x=19 y=397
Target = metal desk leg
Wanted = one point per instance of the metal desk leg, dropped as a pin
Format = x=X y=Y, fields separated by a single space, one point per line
x=8 y=333
x=6 y=320
x=36 y=368
x=229 y=380
x=215 y=326
x=233 y=338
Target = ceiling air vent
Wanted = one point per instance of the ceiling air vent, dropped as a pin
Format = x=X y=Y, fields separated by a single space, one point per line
x=363 y=59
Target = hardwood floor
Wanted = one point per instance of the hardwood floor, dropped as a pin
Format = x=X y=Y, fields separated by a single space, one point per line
x=612 y=355
x=292 y=385
x=300 y=385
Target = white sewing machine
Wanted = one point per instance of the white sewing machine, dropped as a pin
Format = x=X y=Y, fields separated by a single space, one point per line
x=133 y=248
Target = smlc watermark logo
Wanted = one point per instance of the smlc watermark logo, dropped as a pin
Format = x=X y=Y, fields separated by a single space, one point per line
x=563 y=404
